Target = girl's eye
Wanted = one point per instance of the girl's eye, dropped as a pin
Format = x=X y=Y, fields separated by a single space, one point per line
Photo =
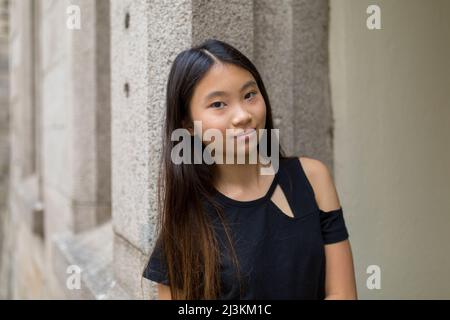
x=253 y=92
x=216 y=105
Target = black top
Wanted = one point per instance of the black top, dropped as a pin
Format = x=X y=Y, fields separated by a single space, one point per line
x=280 y=257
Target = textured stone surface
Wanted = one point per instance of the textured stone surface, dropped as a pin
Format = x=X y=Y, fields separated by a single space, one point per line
x=129 y=264
x=274 y=59
x=313 y=124
x=141 y=57
x=230 y=21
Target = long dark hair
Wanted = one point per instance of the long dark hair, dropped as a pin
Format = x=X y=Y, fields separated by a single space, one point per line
x=185 y=232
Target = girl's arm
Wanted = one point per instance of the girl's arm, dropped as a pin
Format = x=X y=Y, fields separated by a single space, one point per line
x=164 y=292
x=340 y=276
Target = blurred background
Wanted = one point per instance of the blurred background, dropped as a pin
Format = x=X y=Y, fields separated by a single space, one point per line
x=363 y=86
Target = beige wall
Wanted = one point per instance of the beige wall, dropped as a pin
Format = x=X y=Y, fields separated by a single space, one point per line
x=391 y=104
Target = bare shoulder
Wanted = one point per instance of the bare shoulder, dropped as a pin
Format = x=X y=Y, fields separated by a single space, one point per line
x=313 y=166
x=319 y=176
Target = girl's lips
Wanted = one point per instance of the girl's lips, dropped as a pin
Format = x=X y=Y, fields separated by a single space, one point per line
x=245 y=133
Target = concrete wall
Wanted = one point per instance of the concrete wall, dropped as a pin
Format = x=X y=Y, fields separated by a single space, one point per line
x=390 y=90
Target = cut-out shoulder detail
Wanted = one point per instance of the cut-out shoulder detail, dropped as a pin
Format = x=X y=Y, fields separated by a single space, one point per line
x=249 y=203
x=279 y=199
x=322 y=183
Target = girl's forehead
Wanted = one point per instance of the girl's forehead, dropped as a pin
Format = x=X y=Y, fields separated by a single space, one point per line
x=223 y=77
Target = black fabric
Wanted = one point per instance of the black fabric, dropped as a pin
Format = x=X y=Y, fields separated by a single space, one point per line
x=280 y=257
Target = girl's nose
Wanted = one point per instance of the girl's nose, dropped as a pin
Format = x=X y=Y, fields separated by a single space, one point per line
x=242 y=116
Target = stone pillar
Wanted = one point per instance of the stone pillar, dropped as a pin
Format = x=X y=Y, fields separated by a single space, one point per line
x=89 y=63
x=77 y=147
x=146 y=36
x=274 y=59
x=313 y=119
x=76 y=119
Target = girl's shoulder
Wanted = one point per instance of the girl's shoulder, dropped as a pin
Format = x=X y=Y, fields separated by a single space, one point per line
x=321 y=180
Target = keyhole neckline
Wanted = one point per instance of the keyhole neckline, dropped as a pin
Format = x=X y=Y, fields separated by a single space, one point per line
x=249 y=203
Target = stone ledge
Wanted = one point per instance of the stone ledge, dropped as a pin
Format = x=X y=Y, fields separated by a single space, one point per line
x=129 y=264
x=92 y=251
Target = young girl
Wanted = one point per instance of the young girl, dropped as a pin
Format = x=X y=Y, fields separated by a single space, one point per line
x=226 y=231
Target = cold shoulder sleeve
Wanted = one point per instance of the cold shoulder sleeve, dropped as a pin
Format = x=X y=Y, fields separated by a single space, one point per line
x=333 y=226
x=156 y=269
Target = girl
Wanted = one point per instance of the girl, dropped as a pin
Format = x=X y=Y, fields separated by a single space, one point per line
x=225 y=231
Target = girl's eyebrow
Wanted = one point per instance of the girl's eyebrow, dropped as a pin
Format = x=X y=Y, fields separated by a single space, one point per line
x=223 y=93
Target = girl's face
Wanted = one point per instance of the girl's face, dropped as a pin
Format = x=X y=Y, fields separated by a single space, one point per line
x=228 y=98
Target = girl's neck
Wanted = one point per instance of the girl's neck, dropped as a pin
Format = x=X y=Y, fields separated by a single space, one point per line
x=239 y=179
